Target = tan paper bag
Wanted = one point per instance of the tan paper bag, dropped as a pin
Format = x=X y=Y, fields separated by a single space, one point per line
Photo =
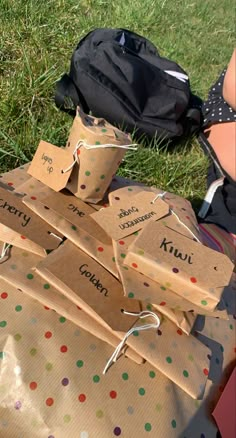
x=194 y=271
x=16 y=269
x=71 y=217
x=99 y=149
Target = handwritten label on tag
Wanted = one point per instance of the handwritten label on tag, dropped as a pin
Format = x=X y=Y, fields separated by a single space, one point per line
x=49 y=165
x=189 y=266
x=15 y=215
x=131 y=214
x=92 y=283
x=68 y=206
x=78 y=213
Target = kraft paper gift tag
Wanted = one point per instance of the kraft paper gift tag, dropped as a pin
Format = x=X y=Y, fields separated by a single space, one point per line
x=48 y=165
x=19 y=181
x=89 y=285
x=165 y=254
x=138 y=286
x=19 y=218
x=99 y=148
x=50 y=375
x=16 y=269
x=71 y=217
x=180 y=206
x=130 y=215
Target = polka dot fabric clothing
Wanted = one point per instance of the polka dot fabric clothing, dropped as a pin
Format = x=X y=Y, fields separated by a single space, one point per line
x=216 y=109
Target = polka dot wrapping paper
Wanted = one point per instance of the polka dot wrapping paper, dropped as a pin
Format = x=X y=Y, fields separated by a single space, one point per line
x=83 y=231
x=51 y=383
x=157 y=258
x=91 y=178
x=137 y=285
x=153 y=346
x=33 y=188
x=17 y=271
x=20 y=241
x=15 y=177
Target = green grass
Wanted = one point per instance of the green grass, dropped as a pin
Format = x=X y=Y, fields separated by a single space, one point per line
x=37 y=40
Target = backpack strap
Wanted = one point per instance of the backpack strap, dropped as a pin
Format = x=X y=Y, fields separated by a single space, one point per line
x=192 y=121
x=68 y=97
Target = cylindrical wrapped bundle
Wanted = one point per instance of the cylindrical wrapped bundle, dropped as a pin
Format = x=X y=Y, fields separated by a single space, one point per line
x=99 y=149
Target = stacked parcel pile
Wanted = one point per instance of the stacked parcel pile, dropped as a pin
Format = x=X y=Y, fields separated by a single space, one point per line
x=117 y=259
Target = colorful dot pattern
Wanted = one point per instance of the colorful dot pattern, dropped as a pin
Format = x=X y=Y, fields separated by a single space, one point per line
x=78 y=379
x=137 y=381
x=97 y=166
x=200 y=305
x=166 y=297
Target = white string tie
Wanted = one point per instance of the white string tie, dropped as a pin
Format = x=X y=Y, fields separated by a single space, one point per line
x=132 y=147
x=141 y=315
x=185 y=226
x=161 y=195
x=5 y=249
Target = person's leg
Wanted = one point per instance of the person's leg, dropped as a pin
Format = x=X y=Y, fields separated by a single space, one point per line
x=222 y=137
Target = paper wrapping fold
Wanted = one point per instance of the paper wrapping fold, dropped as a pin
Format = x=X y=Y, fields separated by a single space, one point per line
x=83 y=231
x=17 y=271
x=15 y=177
x=50 y=376
x=92 y=176
x=34 y=189
x=13 y=238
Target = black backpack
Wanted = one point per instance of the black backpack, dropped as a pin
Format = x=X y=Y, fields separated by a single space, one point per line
x=119 y=75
